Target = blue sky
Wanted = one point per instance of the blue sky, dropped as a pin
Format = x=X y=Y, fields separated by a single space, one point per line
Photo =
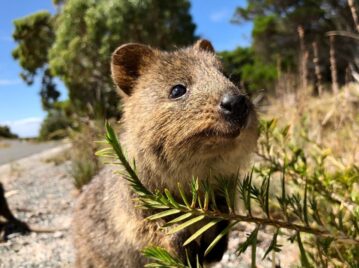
x=20 y=105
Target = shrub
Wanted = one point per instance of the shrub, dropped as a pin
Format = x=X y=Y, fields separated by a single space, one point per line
x=316 y=215
x=85 y=164
x=242 y=66
x=5 y=132
x=55 y=126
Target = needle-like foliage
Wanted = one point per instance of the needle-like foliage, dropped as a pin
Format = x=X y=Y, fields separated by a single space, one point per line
x=291 y=214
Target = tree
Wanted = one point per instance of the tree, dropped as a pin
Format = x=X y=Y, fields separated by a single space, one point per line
x=275 y=30
x=35 y=35
x=55 y=126
x=5 y=132
x=245 y=68
x=233 y=61
x=76 y=44
x=321 y=221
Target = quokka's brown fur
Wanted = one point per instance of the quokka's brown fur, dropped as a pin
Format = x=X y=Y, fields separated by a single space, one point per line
x=171 y=140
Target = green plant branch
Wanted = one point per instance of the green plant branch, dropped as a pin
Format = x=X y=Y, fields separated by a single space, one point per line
x=317 y=185
x=216 y=215
x=203 y=209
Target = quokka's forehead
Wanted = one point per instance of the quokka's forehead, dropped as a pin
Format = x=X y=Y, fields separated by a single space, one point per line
x=189 y=57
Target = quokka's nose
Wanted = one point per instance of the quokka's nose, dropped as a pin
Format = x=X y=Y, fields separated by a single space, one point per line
x=235 y=108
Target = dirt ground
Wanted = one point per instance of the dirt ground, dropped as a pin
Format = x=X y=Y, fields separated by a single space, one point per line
x=42 y=194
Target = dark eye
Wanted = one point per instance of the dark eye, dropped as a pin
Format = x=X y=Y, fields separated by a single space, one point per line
x=177 y=91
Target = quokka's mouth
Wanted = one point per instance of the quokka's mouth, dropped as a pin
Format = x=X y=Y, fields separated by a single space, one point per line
x=220 y=134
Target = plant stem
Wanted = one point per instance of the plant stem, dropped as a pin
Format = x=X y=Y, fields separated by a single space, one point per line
x=317 y=185
x=254 y=249
x=271 y=222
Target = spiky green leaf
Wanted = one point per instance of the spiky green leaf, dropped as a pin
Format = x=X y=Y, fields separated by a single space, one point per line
x=161 y=258
x=171 y=199
x=219 y=237
x=186 y=224
x=303 y=255
x=274 y=246
x=201 y=231
x=183 y=196
x=179 y=219
x=251 y=239
x=163 y=214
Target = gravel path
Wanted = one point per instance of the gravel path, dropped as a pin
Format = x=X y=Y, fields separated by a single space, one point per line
x=42 y=194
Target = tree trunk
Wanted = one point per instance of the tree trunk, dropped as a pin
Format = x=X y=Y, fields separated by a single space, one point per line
x=303 y=59
x=317 y=68
x=354 y=14
x=333 y=65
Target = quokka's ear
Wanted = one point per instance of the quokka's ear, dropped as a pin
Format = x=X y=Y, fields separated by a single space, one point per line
x=203 y=44
x=127 y=64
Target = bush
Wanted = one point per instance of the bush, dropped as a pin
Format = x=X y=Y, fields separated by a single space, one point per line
x=85 y=164
x=298 y=190
x=55 y=126
x=245 y=69
x=5 y=132
x=259 y=76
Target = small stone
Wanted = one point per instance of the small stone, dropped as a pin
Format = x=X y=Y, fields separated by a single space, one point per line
x=58 y=235
x=14 y=235
x=33 y=235
x=16 y=247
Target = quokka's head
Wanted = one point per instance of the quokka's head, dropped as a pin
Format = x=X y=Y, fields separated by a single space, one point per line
x=180 y=110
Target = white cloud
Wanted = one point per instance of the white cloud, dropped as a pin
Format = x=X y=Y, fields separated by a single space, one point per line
x=219 y=15
x=25 y=128
x=9 y=82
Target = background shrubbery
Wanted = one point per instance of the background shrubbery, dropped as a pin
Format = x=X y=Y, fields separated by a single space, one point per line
x=5 y=132
x=55 y=126
x=84 y=163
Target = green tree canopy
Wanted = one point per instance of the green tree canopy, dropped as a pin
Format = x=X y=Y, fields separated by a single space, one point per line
x=5 y=132
x=275 y=24
x=76 y=44
x=244 y=68
x=35 y=35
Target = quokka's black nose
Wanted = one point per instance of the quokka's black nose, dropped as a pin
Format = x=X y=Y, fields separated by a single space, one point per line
x=235 y=108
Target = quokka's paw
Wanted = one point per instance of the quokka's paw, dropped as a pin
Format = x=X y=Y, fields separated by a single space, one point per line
x=14 y=226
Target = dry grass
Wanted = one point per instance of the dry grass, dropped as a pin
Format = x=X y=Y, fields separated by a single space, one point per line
x=60 y=158
x=85 y=164
x=332 y=121
x=4 y=144
x=15 y=169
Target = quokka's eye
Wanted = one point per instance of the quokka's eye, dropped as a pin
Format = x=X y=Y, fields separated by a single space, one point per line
x=177 y=91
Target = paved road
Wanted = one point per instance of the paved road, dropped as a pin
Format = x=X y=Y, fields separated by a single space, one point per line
x=11 y=150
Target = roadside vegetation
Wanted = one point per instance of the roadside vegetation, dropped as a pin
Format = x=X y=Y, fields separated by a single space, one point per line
x=84 y=163
x=6 y=133
x=302 y=187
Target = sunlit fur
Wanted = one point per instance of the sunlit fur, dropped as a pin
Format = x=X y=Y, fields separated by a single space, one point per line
x=173 y=140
